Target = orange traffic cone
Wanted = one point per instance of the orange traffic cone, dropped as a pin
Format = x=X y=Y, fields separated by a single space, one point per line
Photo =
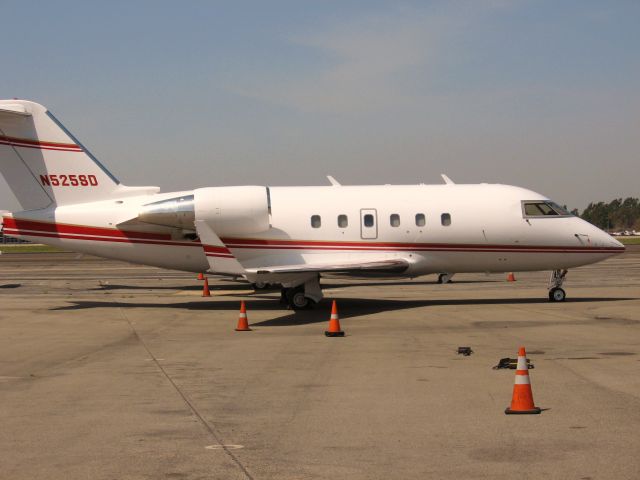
x=334 y=323
x=522 y=399
x=511 y=277
x=205 y=288
x=200 y=276
x=243 y=324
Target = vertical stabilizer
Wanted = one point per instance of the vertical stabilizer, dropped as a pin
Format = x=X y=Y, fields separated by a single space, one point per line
x=45 y=165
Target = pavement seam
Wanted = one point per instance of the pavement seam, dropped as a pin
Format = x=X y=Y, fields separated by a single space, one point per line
x=186 y=400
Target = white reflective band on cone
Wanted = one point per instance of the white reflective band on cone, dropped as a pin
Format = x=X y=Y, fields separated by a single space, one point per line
x=334 y=316
x=522 y=380
x=522 y=363
x=243 y=315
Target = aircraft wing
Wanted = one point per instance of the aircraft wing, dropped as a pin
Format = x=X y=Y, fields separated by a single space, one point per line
x=397 y=265
x=221 y=260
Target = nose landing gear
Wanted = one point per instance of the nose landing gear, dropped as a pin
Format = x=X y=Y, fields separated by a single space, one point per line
x=556 y=293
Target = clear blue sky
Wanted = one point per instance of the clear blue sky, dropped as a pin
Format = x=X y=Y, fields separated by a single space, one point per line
x=541 y=94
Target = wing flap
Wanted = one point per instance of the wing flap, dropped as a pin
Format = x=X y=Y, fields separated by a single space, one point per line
x=398 y=265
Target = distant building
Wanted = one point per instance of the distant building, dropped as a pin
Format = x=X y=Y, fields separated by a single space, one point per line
x=4 y=240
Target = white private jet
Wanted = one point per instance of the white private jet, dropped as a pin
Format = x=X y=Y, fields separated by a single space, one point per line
x=284 y=235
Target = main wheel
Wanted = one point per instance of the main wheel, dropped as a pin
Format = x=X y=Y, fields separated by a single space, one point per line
x=297 y=300
x=557 y=295
x=260 y=285
x=442 y=278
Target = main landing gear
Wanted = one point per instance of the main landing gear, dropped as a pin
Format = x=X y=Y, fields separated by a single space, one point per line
x=303 y=296
x=556 y=293
x=261 y=285
x=295 y=298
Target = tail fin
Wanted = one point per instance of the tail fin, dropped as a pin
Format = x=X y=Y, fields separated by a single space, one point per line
x=45 y=165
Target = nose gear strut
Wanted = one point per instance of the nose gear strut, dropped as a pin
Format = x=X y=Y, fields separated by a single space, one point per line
x=556 y=293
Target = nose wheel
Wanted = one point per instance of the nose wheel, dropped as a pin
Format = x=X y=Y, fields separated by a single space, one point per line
x=445 y=277
x=556 y=293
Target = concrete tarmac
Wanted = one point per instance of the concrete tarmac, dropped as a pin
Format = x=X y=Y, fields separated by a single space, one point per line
x=115 y=371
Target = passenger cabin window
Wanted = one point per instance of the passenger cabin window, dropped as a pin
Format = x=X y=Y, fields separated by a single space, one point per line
x=316 y=221
x=420 y=221
x=368 y=220
x=445 y=219
x=343 y=221
x=394 y=220
x=543 y=209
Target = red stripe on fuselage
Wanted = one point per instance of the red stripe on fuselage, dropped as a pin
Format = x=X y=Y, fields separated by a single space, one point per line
x=216 y=249
x=13 y=226
x=63 y=228
x=328 y=245
x=33 y=228
x=100 y=239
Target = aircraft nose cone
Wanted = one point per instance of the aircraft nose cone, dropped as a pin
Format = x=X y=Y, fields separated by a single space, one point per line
x=616 y=243
x=607 y=240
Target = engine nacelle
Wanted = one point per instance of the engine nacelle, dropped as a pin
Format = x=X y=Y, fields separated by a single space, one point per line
x=177 y=212
x=227 y=210
x=233 y=210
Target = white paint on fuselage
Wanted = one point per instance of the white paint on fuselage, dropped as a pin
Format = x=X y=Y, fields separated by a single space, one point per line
x=480 y=214
x=483 y=214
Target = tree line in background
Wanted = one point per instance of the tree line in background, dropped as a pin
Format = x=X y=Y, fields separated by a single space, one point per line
x=616 y=215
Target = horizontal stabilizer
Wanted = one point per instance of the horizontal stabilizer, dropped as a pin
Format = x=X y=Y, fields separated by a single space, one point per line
x=9 y=110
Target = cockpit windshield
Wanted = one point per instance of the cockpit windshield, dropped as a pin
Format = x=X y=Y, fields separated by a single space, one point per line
x=538 y=208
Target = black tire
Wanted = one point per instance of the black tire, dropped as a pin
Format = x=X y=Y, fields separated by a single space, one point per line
x=442 y=277
x=557 y=295
x=260 y=285
x=297 y=299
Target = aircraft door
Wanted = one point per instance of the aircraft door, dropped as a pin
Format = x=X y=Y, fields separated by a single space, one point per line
x=368 y=223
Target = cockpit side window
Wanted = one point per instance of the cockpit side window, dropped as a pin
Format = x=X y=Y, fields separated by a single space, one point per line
x=537 y=208
x=559 y=209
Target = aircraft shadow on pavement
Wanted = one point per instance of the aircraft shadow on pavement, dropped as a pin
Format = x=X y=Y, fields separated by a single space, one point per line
x=212 y=287
x=328 y=284
x=348 y=307
x=245 y=286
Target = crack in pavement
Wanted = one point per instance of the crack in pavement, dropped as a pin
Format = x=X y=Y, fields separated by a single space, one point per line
x=186 y=400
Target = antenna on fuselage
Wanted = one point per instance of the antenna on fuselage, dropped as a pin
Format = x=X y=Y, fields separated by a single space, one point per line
x=447 y=180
